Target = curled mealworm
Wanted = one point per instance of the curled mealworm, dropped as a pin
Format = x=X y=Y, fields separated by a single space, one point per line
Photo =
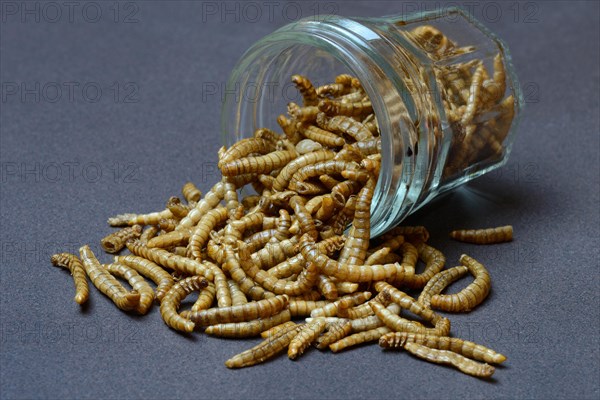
x=273 y=331
x=205 y=298
x=320 y=168
x=460 y=346
x=286 y=173
x=306 y=89
x=265 y=350
x=178 y=209
x=174 y=297
x=137 y=282
x=175 y=262
x=201 y=232
x=346 y=125
x=147 y=268
x=241 y=313
x=333 y=89
x=116 y=240
x=248 y=329
x=434 y=260
x=359 y=338
x=191 y=193
x=439 y=282
x=75 y=267
x=464 y=364
x=107 y=283
x=470 y=296
x=245 y=147
x=334 y=333
x=307 y=334
x=484 y=236
x=267 y=134
x=139 y=219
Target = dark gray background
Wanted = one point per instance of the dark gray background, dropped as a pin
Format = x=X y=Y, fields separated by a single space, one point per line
x=543 y=312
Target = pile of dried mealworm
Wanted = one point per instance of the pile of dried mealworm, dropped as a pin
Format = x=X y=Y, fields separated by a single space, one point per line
x=281 y=254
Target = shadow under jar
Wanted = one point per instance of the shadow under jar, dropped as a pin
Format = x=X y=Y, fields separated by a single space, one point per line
x=442 y=87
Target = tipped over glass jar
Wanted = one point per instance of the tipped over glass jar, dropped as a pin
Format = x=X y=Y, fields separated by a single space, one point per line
x=443 y=91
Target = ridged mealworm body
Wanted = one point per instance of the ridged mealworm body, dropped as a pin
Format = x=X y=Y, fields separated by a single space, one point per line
x=359 y=338
x=439 y=282
x=303 y=308
x=460 y=346
x=331 y=309
x=346 y=125
x=168 y=224
x=201 y=233
x=273 y=331
x=137 y=282
x=372 y=321
x=327 y=287
x=139 y=219
x=114 y=242
x=242 y=313
x=170 y=260
x=75 y=267
x=413 y=234
x=306 y=89
x=355 y=248
x=435 y=262
x=265 y=350
x=178 y=209
x=335 y=332
x=248 y=329
x=446 y=357
x=354 y=109
x=191 y=193
x=174 y=297
x=107 y=283
x=147 y=268
x=320 y=168
x=326 y=138
x=307 y=334
x=169 y=239
x=210 y=201
x=286 y=173
x=303 y=114
x=237 y=296
x=472 y=295
x=148 y=234
x=232 y=266
x=245 y=147
x=205 y=298
x=484 y=236
x=258 y=164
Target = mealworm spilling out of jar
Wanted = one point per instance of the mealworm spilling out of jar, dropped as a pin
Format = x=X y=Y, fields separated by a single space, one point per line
x=280 y=252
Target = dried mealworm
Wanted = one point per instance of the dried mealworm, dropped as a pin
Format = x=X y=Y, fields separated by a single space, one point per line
x=464 y=364
x=175 y=262
x=139 y=219
x=116 y=240
x=210 y=201
x=359 y=311
x=273 y=331
x=248 y=329
x=275 y=252
x=460 y=346
x=439 y=282
x=289 y=128
x=107 y=283
x=484 y=236
x=320 y=168
x=346 y=272
x=242 y=313
x=267 y=134
x=475 y=93
x=169 y=239
x=250 y=201
x=231 y=265
x=168 y=224
x=354 y=109
x=368 y=147
x=137 y=282
x=258 y=164
x=346 y=125
x=148 y=234
x=307 y=224
x=494 y=88
x=303 y=114
x=331 y=309
x=333 y=89
x=434 y=260
x=372 y=321
x=413 y=234
x=286 y=173
x=303 y=308
x=246 y=147
x=237 y=296
x=174 y=297
x=346 y=287
x=359 y=338
x=191 y=193
x=205 y=298
x=470 y=296
x=327 y=287
x=327 y=209
x=265 y=350
x=75 y=267
x=334 y=333
x=306 y=89
x=201 y=233
x=322 y=136
x=147 y=268
x=307 y=334
x=178 y=209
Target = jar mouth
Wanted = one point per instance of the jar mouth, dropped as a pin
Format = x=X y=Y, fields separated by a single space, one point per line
x=260 y=88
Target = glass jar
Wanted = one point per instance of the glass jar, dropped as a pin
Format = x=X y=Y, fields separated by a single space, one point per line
x=442 y=87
